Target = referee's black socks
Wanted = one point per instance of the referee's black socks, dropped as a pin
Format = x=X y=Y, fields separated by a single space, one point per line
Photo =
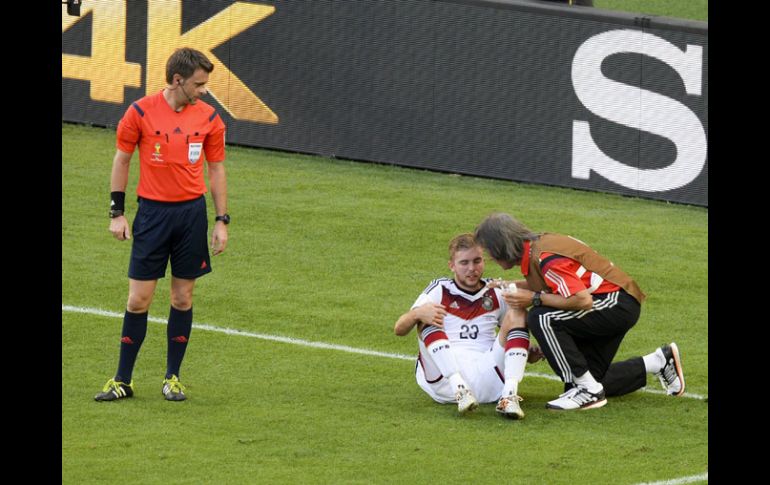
x=134 y=331
x=178 y=332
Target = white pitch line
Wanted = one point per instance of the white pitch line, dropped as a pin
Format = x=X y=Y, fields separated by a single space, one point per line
x=679 y=481
x=261 y=336
x=354 y=350
x=309 y=343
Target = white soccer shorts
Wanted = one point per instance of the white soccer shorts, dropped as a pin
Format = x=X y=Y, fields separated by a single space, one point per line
x=478 y=368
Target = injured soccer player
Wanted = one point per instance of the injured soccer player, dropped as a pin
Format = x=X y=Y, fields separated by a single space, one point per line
x=462 y=357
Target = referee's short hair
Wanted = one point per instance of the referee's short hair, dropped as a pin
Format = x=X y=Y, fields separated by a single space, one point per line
x=185 y=61
x=503 y=237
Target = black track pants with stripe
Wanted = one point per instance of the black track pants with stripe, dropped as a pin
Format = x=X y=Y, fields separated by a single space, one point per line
x=576 y=341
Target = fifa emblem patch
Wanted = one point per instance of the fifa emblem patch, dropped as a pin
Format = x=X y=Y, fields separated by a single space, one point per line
x=156 y=155
x=194 y=152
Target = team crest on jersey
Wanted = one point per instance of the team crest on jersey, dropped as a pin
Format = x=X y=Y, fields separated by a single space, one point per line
x=156 y=155
x=486 y=303
x=194 y=152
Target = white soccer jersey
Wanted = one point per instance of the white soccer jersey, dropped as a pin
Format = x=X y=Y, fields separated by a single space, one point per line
x=472 y=318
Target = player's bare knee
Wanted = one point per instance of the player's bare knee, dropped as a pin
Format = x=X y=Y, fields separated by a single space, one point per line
x=514 y=318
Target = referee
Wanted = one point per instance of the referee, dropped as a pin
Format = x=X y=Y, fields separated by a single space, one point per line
x=174 y=131
x=582 y=305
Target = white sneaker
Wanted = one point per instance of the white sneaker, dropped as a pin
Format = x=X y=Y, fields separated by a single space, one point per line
x=466 y=401
x=509 y=407
x=578 y=398
x=671 y=375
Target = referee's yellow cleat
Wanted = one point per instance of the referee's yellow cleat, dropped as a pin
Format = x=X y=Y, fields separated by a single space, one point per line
x=173 y=390
x=115 y=390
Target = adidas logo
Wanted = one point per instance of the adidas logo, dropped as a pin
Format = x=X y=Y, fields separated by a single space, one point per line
x=203 y=265
x=180 y=339
x=127 y=340
x=177 y=130
x=454 y=305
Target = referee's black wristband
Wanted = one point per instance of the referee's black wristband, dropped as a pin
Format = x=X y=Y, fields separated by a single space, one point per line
x=118 y=201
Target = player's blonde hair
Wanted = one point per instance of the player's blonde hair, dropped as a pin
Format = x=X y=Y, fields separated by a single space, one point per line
x=462 y=242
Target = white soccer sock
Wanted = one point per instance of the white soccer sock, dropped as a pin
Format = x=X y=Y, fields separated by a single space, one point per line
x=441 y=353
x=515 y=361
x=654 y=362
x=587 y=380
x=517 y=344
x=457 y=381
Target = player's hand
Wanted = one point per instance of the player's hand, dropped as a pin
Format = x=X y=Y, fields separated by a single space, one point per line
x=119 y=228
x=535 y=354
x=219 y=238
x=432 y=314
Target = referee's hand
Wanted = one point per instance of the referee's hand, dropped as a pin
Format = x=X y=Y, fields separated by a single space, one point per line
x=120 y=229
x=219 y=238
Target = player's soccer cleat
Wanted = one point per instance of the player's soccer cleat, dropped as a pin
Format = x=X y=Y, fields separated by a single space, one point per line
x=578 y=398
x=173 y=390
x=671 y=375
x=466 y=401
x=114 y=390
x=509 y=407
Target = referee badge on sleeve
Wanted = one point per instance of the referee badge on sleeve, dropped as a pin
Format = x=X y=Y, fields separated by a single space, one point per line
x=194 y=152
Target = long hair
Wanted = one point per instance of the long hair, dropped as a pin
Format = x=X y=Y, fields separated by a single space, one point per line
x=503 y=237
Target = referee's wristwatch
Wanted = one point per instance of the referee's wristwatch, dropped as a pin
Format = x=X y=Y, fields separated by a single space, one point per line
x=224 y=218
x=536 y=301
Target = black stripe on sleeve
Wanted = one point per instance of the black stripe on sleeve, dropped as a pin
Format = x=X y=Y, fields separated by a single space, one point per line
x=137 y=108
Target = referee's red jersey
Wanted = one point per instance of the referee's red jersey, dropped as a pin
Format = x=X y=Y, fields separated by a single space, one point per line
x=172 y=146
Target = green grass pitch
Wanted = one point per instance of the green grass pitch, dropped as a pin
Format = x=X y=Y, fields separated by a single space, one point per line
x=334 y=251
x=683 y=9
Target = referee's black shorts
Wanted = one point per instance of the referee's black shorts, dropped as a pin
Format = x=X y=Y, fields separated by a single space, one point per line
x=176 y=230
